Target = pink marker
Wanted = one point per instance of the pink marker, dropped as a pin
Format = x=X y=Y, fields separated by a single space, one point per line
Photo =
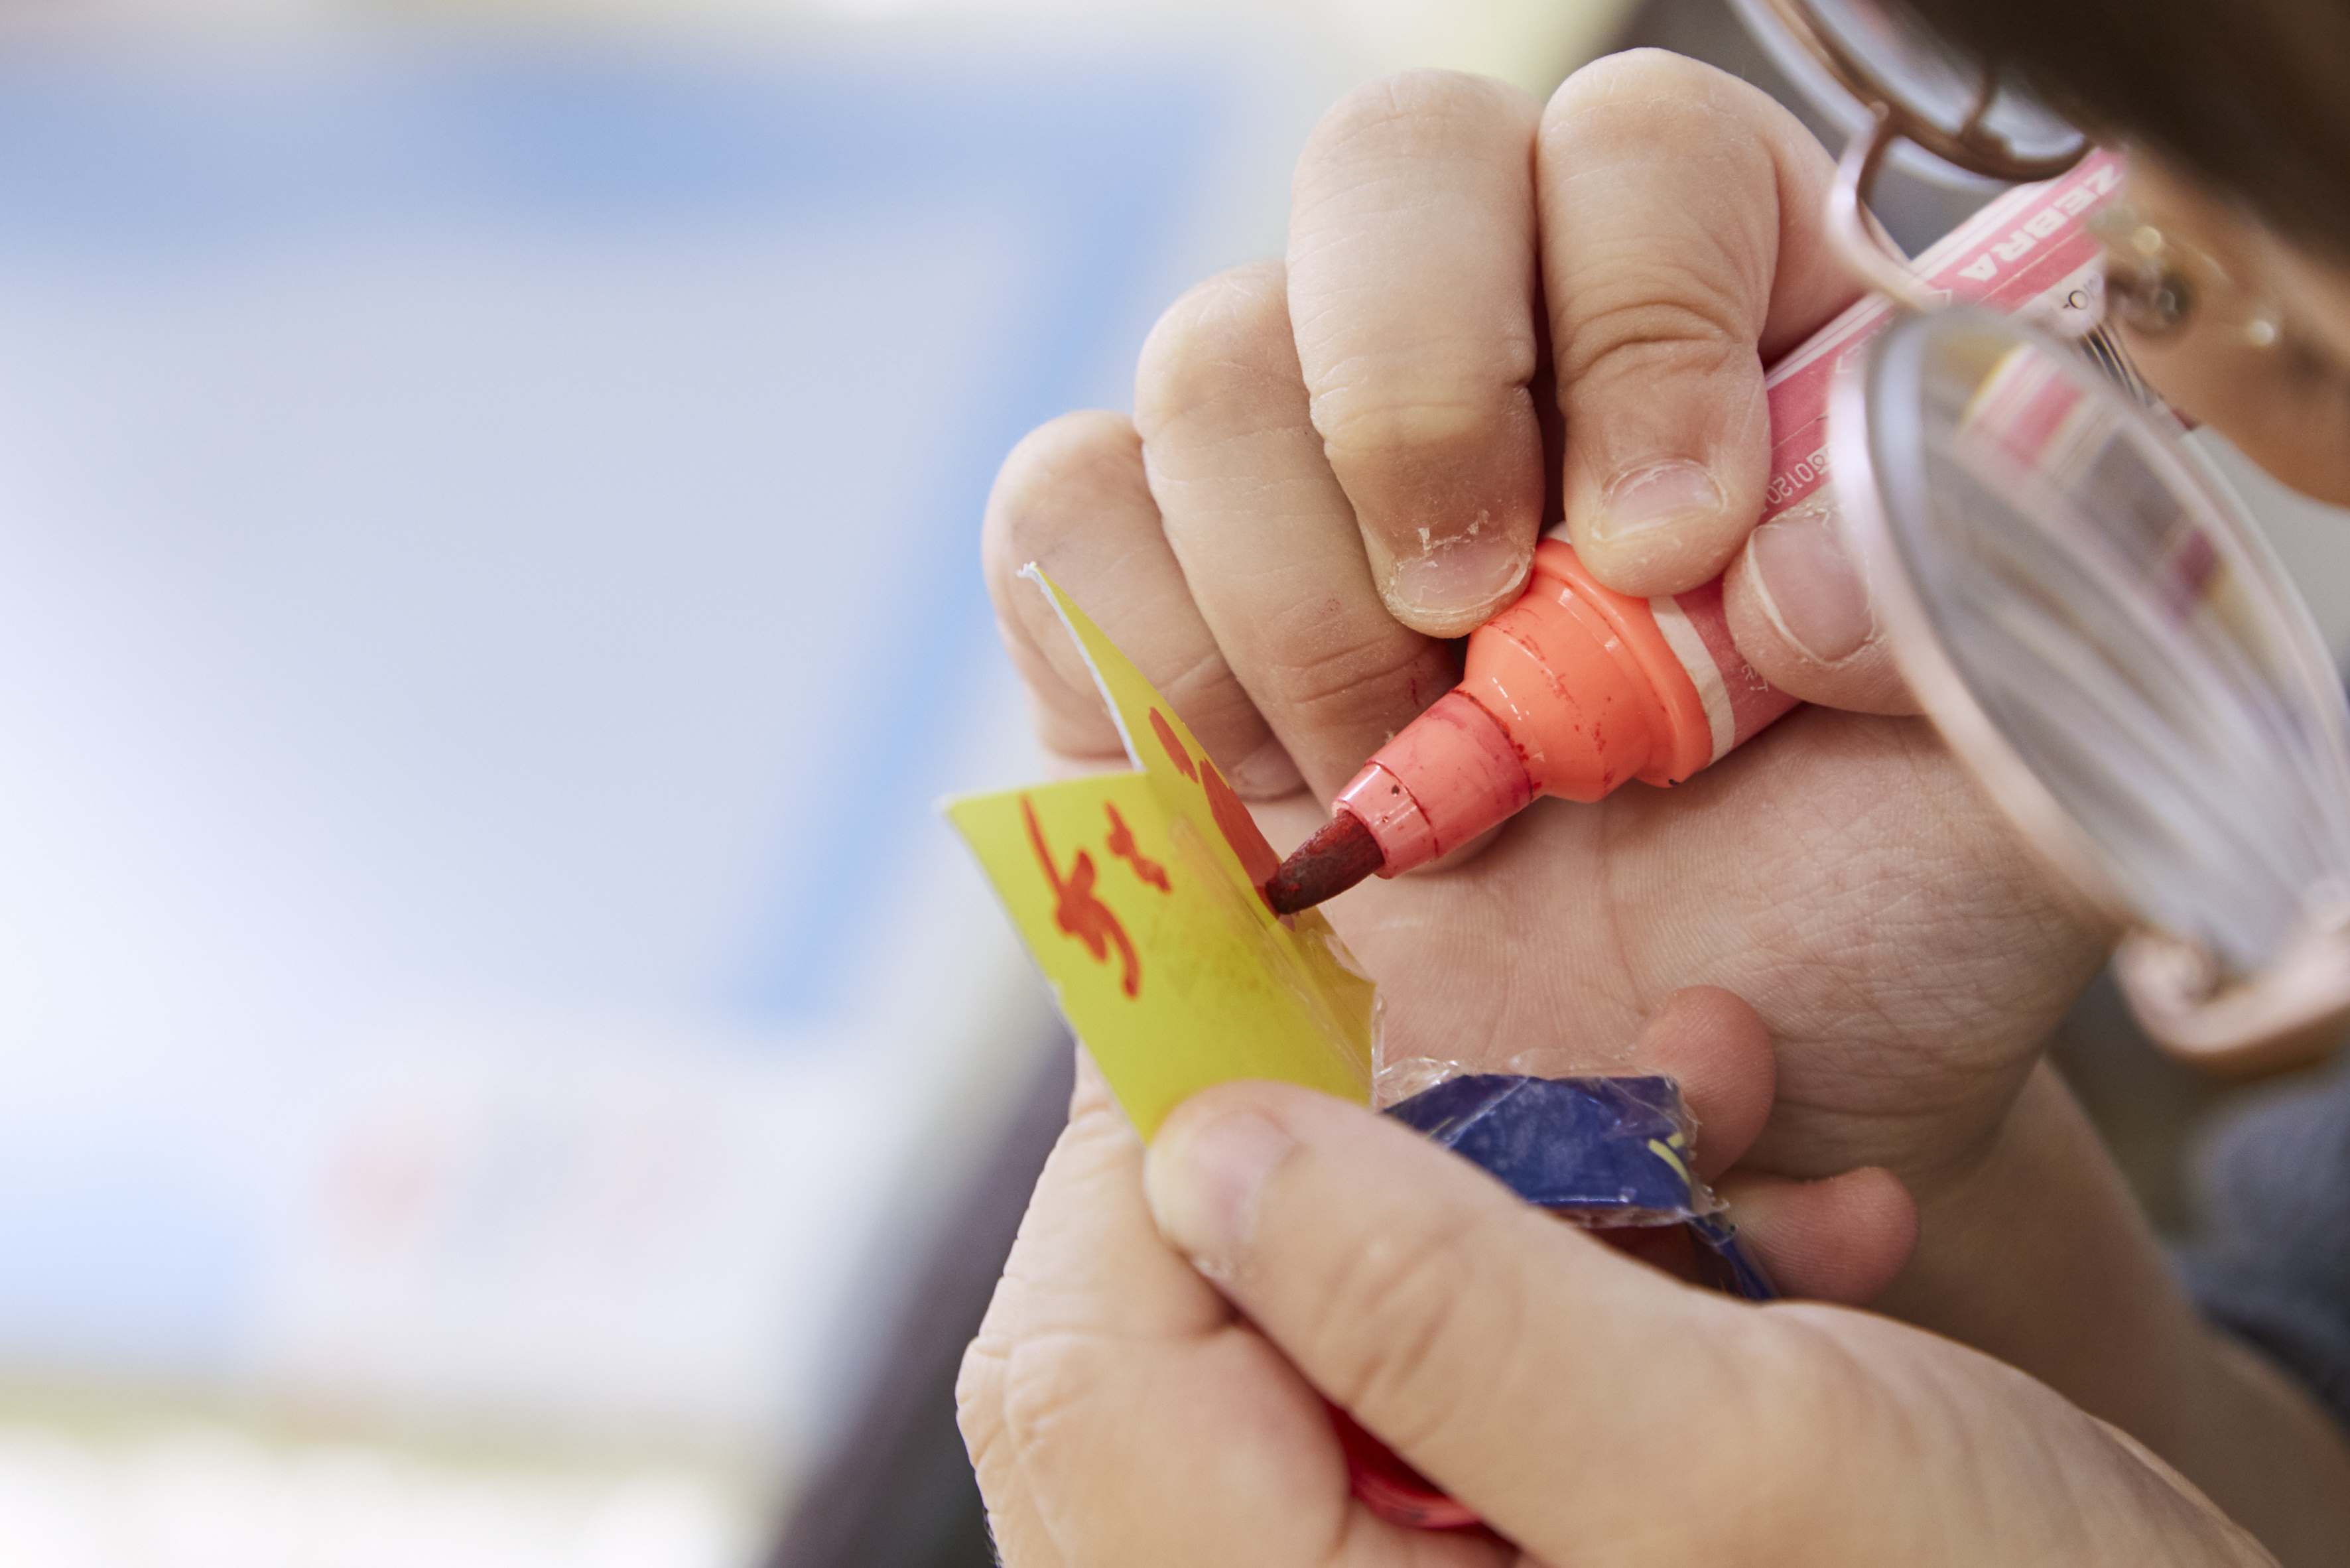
x=1575 y=688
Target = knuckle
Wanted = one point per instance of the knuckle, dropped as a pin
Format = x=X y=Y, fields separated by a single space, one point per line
x=1332 y=675
x=1047 y=1381
x=1408 y=111
x=979 y=1397
x=1208 y=696
x=1061 y=477
x=1424 y=1311
x=1672 y=320
x=1224 y=335
x=1376 y=424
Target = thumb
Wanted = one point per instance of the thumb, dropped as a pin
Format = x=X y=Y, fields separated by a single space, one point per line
x=1593 y=1409
x=1577 y=1400
x=1798 y=607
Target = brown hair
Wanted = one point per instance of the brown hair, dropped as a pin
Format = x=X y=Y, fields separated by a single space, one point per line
x=2252 y=97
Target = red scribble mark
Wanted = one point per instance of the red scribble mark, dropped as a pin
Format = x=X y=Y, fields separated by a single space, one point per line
x=1122 y=844
x=1175 y=752
x=1079 y=912
x=1233 y=819
x=1239 y=828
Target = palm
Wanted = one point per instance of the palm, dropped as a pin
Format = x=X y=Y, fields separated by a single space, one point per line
x=1841 y=873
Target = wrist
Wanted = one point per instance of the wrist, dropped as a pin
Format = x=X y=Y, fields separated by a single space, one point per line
x=2033 y=1249
x=2035 y=1252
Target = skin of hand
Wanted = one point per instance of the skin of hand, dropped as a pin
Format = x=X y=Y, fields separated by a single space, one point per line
x=1493 y=311
x=1458 y=251
x=1121 y=1409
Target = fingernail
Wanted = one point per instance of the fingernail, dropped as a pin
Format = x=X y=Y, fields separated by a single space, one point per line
x=1461 y=581
x=1203 y=1179
x=1654 y=496
x=1266 y=774
x=1809 y=585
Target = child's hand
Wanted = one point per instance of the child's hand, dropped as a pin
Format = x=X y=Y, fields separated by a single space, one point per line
x=1320 y=450
x=1121 y=1410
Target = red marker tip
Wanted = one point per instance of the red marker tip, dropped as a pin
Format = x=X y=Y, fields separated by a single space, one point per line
x=1341 y=853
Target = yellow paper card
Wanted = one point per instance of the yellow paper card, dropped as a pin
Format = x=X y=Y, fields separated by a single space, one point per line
x=1137 y=895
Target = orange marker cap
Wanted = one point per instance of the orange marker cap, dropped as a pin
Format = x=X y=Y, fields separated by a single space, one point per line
x=1571 y=692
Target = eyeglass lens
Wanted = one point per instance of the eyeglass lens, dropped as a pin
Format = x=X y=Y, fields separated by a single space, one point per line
x=2120 y=631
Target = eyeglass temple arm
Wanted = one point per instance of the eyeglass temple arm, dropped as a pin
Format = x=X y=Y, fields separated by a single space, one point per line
x=1864 y=246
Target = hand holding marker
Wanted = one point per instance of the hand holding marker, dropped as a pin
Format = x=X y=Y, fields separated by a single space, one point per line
x=1575 y=688
x=1568 y=692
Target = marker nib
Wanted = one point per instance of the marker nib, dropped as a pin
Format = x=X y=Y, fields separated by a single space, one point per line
x=1341 y=853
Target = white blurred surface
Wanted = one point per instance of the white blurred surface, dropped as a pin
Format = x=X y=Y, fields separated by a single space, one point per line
x=199 y=1496
x=488 y=519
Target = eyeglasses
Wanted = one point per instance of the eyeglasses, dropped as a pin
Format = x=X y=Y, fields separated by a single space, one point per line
x=2071 y=589
x=2155 y=281
x=1913 y=92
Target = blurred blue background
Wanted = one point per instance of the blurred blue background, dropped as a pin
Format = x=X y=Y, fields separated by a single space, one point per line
x=488 y=1017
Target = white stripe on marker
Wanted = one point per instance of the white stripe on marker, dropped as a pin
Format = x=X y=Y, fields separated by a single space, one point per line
x=1698 y=659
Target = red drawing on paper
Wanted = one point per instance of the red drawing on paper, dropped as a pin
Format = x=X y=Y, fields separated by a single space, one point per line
x=1121 y=844
x=1175 y=752
x=1233 y=818
x=1079 y=912
x=1239 y=828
